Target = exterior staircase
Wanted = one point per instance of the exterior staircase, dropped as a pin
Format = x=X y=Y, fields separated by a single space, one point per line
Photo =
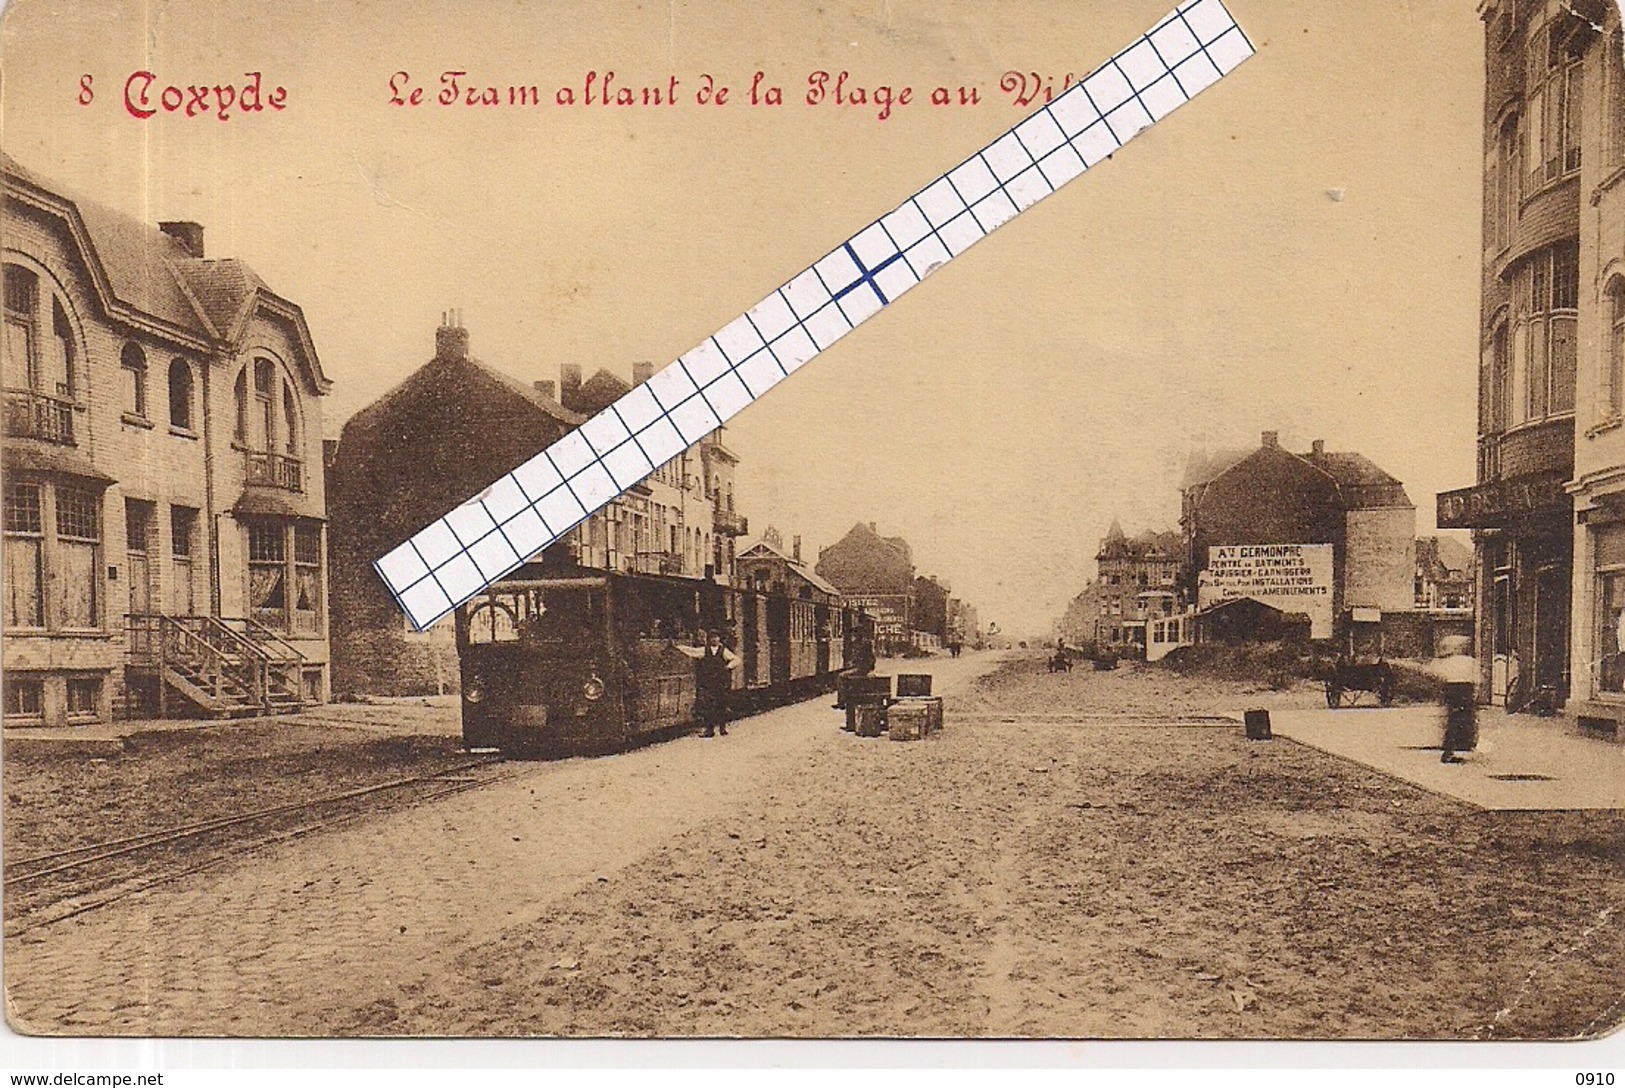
x=217 y=668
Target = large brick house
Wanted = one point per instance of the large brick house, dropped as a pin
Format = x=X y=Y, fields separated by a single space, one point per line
x=1270 y=495
x=454 y=425
x=874 y=573
x=164 y=499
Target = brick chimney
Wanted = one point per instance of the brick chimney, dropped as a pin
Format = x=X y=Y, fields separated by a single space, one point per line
x=451 y=339
x=795 y=547
x=1318 y=447
x=642 y=372
x=570 y=385
x=1272 y=440
x=188 y=234
x=550 y=390
x=872 y=529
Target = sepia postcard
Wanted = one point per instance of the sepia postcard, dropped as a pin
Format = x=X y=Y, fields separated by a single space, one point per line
x=818 y=519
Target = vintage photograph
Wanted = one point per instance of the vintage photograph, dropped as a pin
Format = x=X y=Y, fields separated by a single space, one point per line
x=824 y=519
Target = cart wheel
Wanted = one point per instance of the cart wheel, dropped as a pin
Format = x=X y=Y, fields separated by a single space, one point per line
x=1334 y=695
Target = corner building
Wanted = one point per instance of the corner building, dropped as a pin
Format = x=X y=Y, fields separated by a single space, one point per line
x=164 y=534
x=1546 y=409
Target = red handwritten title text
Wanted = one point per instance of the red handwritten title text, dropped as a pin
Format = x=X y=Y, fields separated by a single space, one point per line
x=455 y=87
x=145 y=97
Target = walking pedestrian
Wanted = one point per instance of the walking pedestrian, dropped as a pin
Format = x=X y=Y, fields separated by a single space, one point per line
x=713 y=680
x=1458 y=671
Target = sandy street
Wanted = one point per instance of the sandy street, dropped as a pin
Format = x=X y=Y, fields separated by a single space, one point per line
x=1094 y=854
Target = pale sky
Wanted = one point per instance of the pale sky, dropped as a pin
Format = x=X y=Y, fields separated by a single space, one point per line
x=1198 y=289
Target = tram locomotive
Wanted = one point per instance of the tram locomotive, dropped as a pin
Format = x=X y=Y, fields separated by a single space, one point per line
x=578 y=662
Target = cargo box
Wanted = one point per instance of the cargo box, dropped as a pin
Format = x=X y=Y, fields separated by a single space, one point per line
x=913 y=684
x=909 y=719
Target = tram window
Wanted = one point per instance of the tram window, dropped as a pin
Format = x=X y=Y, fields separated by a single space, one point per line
x=492 y=621
x=569 y=616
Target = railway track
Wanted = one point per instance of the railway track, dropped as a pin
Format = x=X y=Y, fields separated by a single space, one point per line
x=48 y=888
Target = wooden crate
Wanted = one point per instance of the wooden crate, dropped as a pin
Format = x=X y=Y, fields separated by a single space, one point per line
x=868 y=719
x=910 y=684
x=909 y=719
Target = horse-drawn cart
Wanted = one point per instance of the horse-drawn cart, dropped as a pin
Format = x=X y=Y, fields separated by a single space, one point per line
x=1347 y=678
x=1359 y=668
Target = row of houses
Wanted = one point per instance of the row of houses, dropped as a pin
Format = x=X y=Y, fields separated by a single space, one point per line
x=1547 y=510
x=180 y=540
x=1324 y=535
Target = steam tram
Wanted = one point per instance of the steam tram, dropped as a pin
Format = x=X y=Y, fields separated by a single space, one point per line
x=577 y=661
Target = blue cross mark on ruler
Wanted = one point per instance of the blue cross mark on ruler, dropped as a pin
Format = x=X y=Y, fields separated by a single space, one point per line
x=867 y=274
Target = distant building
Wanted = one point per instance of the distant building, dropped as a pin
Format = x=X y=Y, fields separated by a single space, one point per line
x=1079 y=623
x=447 y=431
x=1137 y=580
x=1270 y=496
x=164 y=542
x=874 y=573
x=1444 y=573
x=767 y=568
x=930 y=622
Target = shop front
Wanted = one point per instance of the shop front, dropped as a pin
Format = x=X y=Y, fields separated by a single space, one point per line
x=1523 y=538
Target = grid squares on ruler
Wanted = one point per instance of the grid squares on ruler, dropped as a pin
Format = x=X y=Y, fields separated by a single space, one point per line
x=537 y=503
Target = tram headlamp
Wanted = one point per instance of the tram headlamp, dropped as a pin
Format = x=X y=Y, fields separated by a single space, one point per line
x=474 y=691
x=592 y=688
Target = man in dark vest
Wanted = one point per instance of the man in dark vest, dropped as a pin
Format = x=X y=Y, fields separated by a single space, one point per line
x=713 y=680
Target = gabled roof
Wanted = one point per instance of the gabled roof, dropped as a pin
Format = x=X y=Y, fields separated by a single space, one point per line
x=763 y=550
x=435 y=371
x=1146 y=545
x=147 y=278
x=863 y=561
x=1202 y=466
x=224 y=291
x=600 y=391
x=1362 y=484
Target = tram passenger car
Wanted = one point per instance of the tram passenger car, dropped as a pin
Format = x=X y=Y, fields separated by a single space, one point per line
x=578 y=661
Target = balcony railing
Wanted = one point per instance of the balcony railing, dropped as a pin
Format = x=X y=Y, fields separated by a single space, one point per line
x=32 y=414
x=273 y=470
x=729 y=523
x=658 y=563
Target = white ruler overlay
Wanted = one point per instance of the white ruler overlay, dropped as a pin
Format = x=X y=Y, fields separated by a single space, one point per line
x=460 y=554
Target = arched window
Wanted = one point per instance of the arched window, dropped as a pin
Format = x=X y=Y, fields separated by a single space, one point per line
x=290 y=422
x=134 y=376
x=1615 y=294
x=262 y=420
x=240 y=395
x=36 y=359
x=180 y=394
x=22 y=326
